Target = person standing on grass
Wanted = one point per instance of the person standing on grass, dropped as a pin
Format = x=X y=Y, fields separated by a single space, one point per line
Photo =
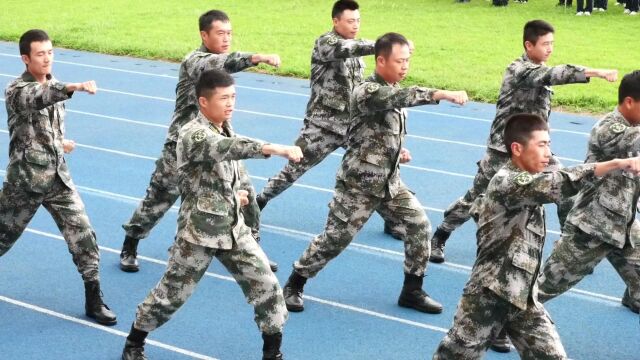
x=601 y=5
x=632 y=7
x=502 y=292
x=162 y=193
x=37 y=173
x=601 y=222
x=369 y=180
x=210 y=221
x=336 y=68
x=584 y=10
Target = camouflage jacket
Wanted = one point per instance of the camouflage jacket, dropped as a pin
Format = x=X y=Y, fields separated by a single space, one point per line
x=209 y=176
x=194 y=64
x=377 y=134
x=526 y=88
x=336 y=67
x=35 y=114
x=511 y=229
x=606 y=206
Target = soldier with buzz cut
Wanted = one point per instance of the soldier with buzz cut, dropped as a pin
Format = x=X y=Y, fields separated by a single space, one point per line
x=210 y=221
x=37 y=173
x=336 y=68
x=369 y=180
x=600 y=223
x=526 y=88
x=502 y=292
x=162 y=193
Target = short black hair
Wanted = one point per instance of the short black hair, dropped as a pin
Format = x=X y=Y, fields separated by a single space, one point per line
x=33 y=35
x=341 y=5
x=534 y=29
x=206 y=20
x=629 y=87
x=519 y=128
x=384 y=44
x=210 y=80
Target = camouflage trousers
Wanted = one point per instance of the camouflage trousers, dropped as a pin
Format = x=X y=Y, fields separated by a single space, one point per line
x=458 y=212
x=246 y=262
x=17 y=208
x=316 y=144
x=350 y=209
x=576 y=254
x=161 y=194
x=482 y=314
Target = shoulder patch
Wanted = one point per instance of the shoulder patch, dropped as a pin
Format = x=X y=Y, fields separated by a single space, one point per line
x=332 y=40
x=372 y=87
x=617 y=128
x=198 y=136
x=523 y=178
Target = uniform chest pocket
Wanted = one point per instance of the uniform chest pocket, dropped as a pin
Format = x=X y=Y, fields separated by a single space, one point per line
x=212 y=206
x=613 y=204
x=36 y=157
x=524 y=261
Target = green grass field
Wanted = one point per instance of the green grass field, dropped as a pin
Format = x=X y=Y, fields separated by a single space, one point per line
x=458 y=46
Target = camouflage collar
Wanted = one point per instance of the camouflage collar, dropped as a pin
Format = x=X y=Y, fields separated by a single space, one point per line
x=335 y=33
x=512 y=167
x=378 y=79
x=525 y=57
x=620 y=118
x=28 y=77
x=202 y=120
x=204 y=49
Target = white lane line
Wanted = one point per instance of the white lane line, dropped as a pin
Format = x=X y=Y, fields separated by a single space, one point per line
x=112 y=331
x=230 y=279
x=462 y=117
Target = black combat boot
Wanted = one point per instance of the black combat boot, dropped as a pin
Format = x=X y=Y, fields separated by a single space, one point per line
x=293 y=290
x=629 y=302
x=271 y=347
x=500 y=342
x=273 y=265
x=94 y=307
x=388 y=229
x=262 y=202
x=437 y=245
x=412 y=296
x=134 y=346
x=128 y=255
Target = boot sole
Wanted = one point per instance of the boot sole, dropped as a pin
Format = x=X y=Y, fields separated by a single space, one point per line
x=129 y=269
x=409 y=305
x=436 y=260
x=295 y=308
x=500 y=349
x=107 y=323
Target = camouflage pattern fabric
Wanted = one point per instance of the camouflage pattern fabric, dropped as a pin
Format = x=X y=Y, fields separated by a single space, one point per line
x=187 y=264
x=336 y=67
x=526 y=88
x=37 y=173
x=482 y=314
x=211 y=224
x=501 y=291
x=369 y=179
x=600 y=223
x=162 y=191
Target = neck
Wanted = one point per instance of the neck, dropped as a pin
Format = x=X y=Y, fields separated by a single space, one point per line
x=39 y=78
x=534 y=60
x=380 y=75
x=626 y=115
x=517 y=163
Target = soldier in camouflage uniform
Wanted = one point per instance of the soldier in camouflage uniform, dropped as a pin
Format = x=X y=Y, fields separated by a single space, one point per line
x=336 y=68
x=368 y=179
x=37 y=173
x=600 y=223
x=501 y=292
x=526 y=87
x=162 y=193
x=210 y=222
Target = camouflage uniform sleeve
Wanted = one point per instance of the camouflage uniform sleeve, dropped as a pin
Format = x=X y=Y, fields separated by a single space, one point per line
x=231 y=63
x=616 y=139
x=371 y=97
x=534 y=75
x=33 y=96
x=250 y=212
x=334 y=48
x=546 y=187
x=203 y=145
